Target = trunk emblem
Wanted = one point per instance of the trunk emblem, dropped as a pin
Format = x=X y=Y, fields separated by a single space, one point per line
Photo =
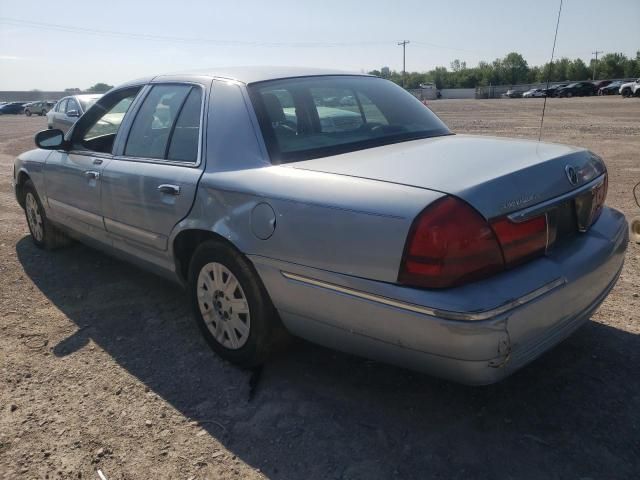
x=572 y=175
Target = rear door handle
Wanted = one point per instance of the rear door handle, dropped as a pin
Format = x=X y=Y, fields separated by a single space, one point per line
x=92 y=175
x=169 y=189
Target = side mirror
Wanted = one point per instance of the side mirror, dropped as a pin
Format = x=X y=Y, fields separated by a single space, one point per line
x=52 y=139
x=73 y=113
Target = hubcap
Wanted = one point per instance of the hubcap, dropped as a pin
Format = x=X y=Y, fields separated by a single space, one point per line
x=223 y=305
x=33 y=217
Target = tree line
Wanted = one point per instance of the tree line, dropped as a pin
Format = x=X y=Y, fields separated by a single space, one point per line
x=513 y=69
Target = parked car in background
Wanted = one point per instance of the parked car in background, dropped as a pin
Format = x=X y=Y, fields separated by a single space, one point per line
x=69 y=109
x=550 y=92
x=533 y=93
x=369 y=228
x=600 y=84
x=39 y=108
x=611 y=89
x=12 y=108
x=513 y=93
x=578 y=89
x=630 y=89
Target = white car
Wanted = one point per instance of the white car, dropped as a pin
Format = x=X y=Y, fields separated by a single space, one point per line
x=533 y=93
x=631 y=89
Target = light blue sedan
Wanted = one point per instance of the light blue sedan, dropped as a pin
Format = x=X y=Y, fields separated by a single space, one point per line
x=363 y=225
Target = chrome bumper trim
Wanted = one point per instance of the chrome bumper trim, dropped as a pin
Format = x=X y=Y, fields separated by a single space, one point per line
x=432 y=312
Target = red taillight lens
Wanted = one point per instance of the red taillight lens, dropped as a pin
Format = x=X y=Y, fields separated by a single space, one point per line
x=521 y=241
x=449 y=243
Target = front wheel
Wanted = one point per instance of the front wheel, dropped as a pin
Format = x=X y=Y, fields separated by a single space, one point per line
x=27 y=113
x=231 y=306
x=43 y=233
x=626 y=93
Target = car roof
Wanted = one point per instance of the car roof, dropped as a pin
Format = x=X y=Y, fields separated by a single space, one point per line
x=249 y=74
x=88 y=96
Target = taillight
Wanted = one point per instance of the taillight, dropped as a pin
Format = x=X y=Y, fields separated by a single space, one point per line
x=449 y=243
x=521 y=241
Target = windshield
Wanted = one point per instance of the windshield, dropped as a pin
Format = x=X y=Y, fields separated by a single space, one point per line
x=87 y=102
x=311 y=117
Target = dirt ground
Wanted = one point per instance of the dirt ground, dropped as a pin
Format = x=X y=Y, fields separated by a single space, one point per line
x=102 y=367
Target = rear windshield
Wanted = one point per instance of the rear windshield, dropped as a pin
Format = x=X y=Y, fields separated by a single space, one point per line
x=311 y=117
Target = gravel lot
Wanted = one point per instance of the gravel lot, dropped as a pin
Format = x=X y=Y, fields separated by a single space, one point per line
x=102 y=367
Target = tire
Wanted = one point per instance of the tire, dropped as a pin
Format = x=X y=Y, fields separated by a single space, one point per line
x=626 y=93
x=248 y=335
x=27 y=113
x=43 y=233
x=43 y=113
x=569 y=94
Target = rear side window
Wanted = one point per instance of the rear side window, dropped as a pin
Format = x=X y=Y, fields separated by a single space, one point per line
x=183 y=146
x=167 y=125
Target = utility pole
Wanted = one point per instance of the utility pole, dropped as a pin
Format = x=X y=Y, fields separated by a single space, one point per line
x=595 y=62
x=404 y=57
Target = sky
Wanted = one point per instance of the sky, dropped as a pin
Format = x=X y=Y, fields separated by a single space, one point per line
x=53 y=45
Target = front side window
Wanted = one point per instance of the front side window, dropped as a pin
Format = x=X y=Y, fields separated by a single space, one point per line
x=72 y=105
x=311 y=117
x=167 y=126
x=62 y=106
x=97 y=129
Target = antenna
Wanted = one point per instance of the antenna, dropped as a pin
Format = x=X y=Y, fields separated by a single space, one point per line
x=553 y=51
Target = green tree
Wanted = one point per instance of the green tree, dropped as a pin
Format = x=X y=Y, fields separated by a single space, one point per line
x=100 y=88
x=515 y=68
x=578 y=70
x=611 y=65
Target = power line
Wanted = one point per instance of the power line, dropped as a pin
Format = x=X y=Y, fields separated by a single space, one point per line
x=404 y=57
x=222 y=42
x=144 y=36
x=595 y=62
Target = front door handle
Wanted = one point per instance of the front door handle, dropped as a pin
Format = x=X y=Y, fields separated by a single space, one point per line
x=92 y=175
x=169 y=189
x=97 y=161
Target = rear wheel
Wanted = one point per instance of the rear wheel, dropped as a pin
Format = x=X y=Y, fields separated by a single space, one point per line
x=626 y=93
x=43 y=113
x=43 y=233
x=27 y=113
x=231 y=306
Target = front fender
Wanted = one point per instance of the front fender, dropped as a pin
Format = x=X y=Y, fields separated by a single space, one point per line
x=30 y=165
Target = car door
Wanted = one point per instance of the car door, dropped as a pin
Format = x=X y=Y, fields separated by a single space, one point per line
x=58 y=113
x=150 y=186
x=73 y=177
x=70 y=115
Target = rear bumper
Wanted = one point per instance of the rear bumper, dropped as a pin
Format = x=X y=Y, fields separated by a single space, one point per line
x=424 y=330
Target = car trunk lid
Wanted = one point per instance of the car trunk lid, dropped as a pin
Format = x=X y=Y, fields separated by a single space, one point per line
x=497 y=176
